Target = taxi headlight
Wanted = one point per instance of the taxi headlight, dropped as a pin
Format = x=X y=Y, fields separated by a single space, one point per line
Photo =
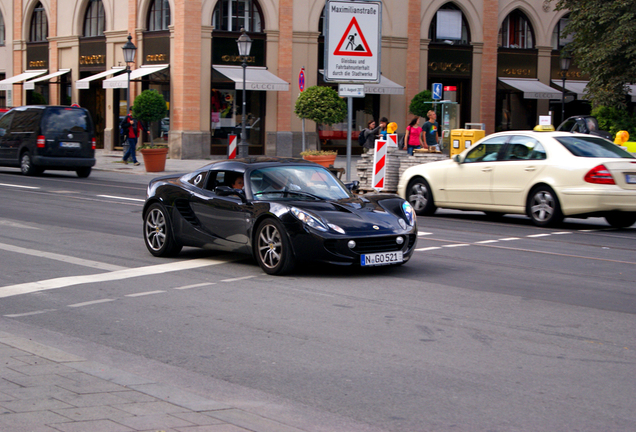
x=308 y=219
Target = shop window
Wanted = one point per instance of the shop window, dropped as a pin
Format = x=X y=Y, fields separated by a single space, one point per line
x=39 y=29
x=449 y=26
x=1 y=30
x=233 y=15
x=559 y=39
x=516 y=32
x=159 y=15
x=94 y=20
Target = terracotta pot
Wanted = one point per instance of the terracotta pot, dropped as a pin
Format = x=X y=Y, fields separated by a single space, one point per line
x=324 y=160
x=155 y=159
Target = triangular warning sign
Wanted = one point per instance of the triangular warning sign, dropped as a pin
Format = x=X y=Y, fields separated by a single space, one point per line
x=349 y=45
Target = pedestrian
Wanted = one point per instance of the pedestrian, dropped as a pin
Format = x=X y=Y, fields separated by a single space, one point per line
x=383 y=132
x=430 y=130
x=132 y=129
x=413 y=137
x=370 y=135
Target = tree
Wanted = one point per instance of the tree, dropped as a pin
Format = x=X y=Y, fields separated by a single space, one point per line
x=149 y=106
x=321 y=105
x=604 y=46
x=421 y=104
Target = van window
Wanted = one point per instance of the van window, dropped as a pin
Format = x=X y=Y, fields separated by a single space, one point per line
x=26 y=121
x=66 y=120
x=5 y=122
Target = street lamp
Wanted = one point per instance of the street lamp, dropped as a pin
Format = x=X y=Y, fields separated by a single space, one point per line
x=130 y=50
x=566 y=60
x=244 y=46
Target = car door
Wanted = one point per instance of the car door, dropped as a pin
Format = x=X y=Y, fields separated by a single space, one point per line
x=469 y=183
x=5 y=137
x=522 y=161
x=224 y=217
x=23 y=131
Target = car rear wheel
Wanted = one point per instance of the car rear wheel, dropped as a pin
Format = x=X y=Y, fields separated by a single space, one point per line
x=621 y=219
x=83 y=172
x=27 y=167
x=543 y=207
x=419 y=195
x=158 y=234
x=272 y=249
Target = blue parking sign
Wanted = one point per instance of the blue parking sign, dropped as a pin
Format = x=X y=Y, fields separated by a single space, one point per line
x=437 y=91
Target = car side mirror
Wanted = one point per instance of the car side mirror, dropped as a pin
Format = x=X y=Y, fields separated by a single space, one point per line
x=354 y=186
x=228 y=191
x=457 y=159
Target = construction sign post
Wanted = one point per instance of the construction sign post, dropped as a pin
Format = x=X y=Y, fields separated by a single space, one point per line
x=353 y=35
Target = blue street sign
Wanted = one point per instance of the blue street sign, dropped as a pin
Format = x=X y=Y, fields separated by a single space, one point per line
x=437 y=91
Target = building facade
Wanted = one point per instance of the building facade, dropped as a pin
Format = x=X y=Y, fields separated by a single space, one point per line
x=497 y=59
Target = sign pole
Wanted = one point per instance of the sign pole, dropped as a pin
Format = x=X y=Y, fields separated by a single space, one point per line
x=349 y=123
x=303 y=135
x=301 y=87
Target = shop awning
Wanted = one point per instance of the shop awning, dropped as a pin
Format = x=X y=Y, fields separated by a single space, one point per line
x=85 y=83
x=7 y=84
x=577 y=87
x=121 y=81
x=532 y=88
x=385 y=86
x=30 y=85
x=256 y=78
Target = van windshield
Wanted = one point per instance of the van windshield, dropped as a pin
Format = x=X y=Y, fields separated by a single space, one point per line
x=66 y=119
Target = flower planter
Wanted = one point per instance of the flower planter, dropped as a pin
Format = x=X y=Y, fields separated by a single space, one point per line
x=324 y=160
x=154 y=159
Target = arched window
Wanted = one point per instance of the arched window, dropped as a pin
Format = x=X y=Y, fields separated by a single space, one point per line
x=233 y=15
x=94 y=19
x=516 y=32
x=39 y=25
x=159 y=15
x=449 y=26
x=1 y=30
x=559 y=40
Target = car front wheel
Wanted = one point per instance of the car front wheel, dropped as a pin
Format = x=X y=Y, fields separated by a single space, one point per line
x=26 y=165
x=272 y=249
x=543 y=207
x=621 y=220
x=158 y=234
x=419 y=195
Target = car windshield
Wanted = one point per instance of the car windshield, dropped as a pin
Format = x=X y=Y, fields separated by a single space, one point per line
x=296 y=183
x=587 y=146
x=66 y=119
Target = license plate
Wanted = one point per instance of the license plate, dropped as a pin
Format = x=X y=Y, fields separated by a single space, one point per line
x=383 y=258
x=630 y=178
x=70 y=145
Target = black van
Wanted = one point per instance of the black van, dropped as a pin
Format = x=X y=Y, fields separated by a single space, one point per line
x=38 y=138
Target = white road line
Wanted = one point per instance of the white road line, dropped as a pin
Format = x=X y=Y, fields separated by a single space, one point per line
x=31 y=287
x=144 y=293
x=422 y=233
x=427 y=249
x=30 y=313
x=487 y=241
x=64 y=258
x=561 y=232
x=13 y=224
x=19 y=186
x=121 y=198
x=509 y=239
x=195 y=285
x=538 y=235
x=455 y=245
x=88 y=303
x=238 y=279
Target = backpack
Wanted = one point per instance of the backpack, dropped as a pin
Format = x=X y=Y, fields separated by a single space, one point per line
x=361 y=138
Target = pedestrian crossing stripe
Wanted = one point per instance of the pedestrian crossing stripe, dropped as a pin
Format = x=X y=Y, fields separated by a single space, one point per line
x=351 y=48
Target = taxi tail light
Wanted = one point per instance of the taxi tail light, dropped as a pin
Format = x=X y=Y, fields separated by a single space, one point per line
x=599 y=175
x=93 y=143
x=40 y=142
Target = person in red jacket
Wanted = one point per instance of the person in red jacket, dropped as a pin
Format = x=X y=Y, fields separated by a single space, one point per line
x=131 y=129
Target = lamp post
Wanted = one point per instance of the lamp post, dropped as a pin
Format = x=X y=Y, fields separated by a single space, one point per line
x=244 y=46
x=129 y=49
x=566 y=60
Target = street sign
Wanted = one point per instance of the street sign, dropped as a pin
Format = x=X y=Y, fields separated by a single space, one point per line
x=301 y=80
x=351 y=90
x=437 y=91
x=353 y=41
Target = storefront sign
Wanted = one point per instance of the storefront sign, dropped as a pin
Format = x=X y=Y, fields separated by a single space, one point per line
x=92 y=54
x=156 y=48
x=573 y=73
x=517 y=64
x=37 y=55
x=225 y=52
x=445 y=62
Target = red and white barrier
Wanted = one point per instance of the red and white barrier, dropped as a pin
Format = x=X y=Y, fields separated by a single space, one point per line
x=231 y=151
x=379 y=164
x=393 y=140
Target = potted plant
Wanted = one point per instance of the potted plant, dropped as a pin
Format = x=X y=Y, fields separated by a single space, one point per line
x=149 y=107
x=321 y=157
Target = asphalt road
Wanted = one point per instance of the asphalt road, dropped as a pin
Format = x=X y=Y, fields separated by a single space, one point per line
x=492 y=325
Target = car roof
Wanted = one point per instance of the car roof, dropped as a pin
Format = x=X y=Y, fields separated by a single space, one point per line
x=554 y=134
x=255 y=162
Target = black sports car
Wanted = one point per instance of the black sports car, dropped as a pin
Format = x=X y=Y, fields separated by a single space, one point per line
x=290 y=210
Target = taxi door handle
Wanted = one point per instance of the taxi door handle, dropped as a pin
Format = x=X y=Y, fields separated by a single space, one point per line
x=486 y=169
x=530 y=168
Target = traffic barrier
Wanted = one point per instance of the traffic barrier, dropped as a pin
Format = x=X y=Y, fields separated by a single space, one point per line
x=379 y=164
x=231 y=150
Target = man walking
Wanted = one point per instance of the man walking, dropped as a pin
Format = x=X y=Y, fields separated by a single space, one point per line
x=131 y=128
x=430 y=129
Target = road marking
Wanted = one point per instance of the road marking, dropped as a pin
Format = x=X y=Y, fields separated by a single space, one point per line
x=122 y=198
x=427 y=249
x=538 y=235
x=422 y=233
x=19 y=186
x=144 y=293
x=195 y=285
x=487 y=241
x=509 y=239
x=88 y=303
x=17 y=225
x=29 y=313
x=561 y=232
x=456 y=245
x=238 y=279
x=64 y=258
x=31 y=287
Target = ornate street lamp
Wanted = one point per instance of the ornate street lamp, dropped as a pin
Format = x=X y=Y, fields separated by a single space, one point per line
x=566 y=61
x=130 y=50
x=244 y=46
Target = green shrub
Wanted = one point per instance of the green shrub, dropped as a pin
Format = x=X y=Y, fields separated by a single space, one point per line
x=321 y=105
x=613 y=120
x=149 y=106
x=421 y=103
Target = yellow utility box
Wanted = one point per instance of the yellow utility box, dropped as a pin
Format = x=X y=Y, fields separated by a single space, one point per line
x=461 y=139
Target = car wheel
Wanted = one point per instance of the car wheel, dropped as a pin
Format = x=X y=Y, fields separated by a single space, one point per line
x=272 y=249
x=620 y=219
x=83 y=172
x=27 y=167
x=158 y=234
x=419 y=195
x=543 y=207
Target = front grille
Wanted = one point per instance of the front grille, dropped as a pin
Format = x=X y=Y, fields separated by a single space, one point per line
x=377 y=244
x=183 y=207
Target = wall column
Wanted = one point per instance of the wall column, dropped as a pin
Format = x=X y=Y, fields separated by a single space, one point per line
x=544 y=63
x=18 y=50
x=488 y=96
x=413 y=53
x=284 y=105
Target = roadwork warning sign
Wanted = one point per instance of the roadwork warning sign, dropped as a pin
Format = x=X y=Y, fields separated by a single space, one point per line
x=353 y=41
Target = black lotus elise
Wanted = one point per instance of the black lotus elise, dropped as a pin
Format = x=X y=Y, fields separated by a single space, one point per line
x=289 y=211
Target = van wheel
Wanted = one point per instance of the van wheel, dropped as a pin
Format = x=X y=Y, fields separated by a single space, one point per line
x=27 y=167
x=83 y=172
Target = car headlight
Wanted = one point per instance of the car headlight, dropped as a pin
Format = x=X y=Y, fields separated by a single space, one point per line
x=308 y=219
x=408 y=213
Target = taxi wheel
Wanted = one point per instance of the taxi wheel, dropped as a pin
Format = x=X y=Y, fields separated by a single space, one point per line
x=419 y=195
x=543 y=207
x=158 y=234
x=621 y=220
x=272 y=248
